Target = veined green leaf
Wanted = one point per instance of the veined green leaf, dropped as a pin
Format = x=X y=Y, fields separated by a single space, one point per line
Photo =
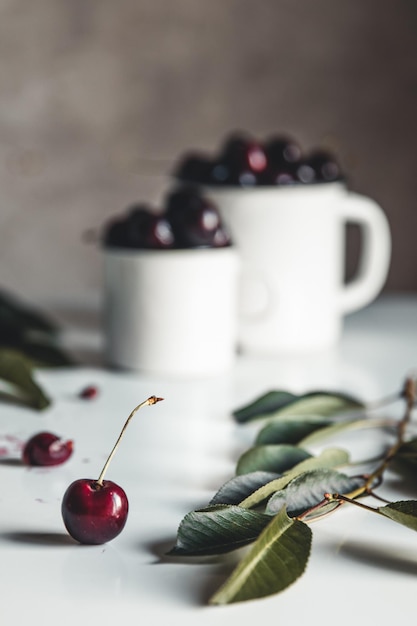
x=308 y=489
x=342 y=426
x=263 y=405
x=270 y=458
x=403 y=512
x=277 y=558
x=217 y=529
x=17 y=371
x=290 y=431
x=330 y=457
x=320 y=403
x=239 y=487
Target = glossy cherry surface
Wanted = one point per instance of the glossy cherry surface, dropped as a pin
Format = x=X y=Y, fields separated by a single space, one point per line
x=94 y=513
x=46 y=449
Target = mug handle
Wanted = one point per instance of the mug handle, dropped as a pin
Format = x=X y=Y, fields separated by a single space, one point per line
x=375 y=254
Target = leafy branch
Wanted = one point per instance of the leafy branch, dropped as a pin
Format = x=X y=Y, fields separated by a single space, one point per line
x=279 y=486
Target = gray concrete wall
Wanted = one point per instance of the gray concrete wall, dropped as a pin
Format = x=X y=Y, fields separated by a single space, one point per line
x=98 y=97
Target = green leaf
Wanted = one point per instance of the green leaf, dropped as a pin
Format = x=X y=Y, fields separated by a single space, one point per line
x=277 y=558
x=343 y=426
x=308 y=489
x=331 y=457
x=18 y=316
x=17 y=371
x=46 y=354
x=279 y=403
x=264 y=405
x=270 y=458
x=239 y=487
x=217 y=530
x=403 y=512
x=290 y=431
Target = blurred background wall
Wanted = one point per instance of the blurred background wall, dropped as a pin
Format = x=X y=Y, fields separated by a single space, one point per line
x=98 y=98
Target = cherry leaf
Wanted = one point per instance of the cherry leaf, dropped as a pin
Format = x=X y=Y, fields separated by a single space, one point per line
x=276 y=560
x=403 y=512
x=330 y=457
x=264 y=405
x=290 y=431
x=280 y=403
x=217 y=529
x=239 y=487
x=17 y=372
x=308 y=489
x=270 y=458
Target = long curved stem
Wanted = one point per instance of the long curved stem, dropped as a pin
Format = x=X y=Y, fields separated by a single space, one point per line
x=151 y=400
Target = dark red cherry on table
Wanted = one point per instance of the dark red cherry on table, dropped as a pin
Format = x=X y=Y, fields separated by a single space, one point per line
x=46 y=449
x=94 y=511
x=89 y=392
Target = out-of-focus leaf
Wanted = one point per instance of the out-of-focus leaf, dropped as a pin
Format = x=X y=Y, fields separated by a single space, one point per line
x=217 y=529
x=16 y=315
x=239 y=487
x=263 y=405
x=308 y=489
x=330 y=457
x=47 y=354
x=320 y=403
x=275 y=561
x=270 y=458
x=17 y=372
x=342 y=426
x=290 y=431
x=403 y=512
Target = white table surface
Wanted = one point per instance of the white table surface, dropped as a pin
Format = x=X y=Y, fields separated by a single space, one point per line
x=174 y=457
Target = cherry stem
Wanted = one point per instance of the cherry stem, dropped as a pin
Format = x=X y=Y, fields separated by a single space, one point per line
x=409 y=393
x=151 y=400
x=331 y=497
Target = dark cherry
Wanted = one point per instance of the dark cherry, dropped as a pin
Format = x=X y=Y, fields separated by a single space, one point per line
x=305 y=173
x=89 y=392
x=325 y=166
x=116 y=234
x=284 y=174
x=137 y=221
x=194 y=168
x=221 y=237
x=46 y=449
x=95 y=511
x=158 y=233
x=243 y=154
x=194 y=219
x=280 y=149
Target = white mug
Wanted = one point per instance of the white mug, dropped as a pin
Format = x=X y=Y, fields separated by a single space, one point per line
x=171 y=312
x=292 y=246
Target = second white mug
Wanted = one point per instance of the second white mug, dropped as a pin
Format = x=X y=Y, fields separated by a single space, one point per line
x=291 y=242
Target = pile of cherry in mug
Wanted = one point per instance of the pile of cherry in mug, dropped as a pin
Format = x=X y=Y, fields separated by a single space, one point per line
x=189 y=219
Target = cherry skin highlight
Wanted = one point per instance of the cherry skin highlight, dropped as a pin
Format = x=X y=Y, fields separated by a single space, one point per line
x=46 y=449
x=94 y=513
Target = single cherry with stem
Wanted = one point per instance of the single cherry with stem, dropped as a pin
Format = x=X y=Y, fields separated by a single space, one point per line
x=95 y=511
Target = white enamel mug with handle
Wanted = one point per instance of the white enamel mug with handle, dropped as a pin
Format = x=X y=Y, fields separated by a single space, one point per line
x=171 y=312
x=292 y=243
